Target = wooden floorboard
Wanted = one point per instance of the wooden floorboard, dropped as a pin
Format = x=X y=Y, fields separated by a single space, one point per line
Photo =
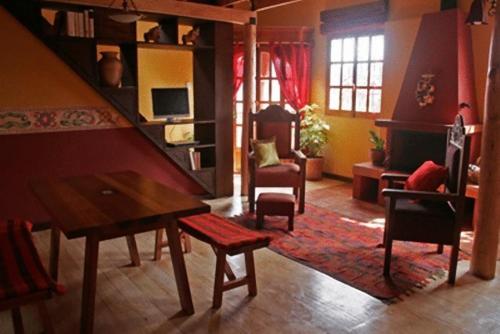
x=292 y=298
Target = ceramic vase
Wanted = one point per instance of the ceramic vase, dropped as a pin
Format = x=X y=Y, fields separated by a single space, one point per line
x=110 y=69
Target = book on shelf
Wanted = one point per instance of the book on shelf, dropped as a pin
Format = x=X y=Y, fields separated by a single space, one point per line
x=194 y=159
x=75 y=24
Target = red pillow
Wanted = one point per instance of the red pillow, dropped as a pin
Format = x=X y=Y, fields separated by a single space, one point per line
x=427 y=177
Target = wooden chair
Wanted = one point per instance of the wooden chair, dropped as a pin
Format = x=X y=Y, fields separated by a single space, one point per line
x=431 y=217
x=24 y=279
x=226 y=238
x=277 y=122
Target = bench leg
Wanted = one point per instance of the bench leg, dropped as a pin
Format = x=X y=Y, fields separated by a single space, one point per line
x=158 y=245
x=260 y=220
x=132 y=249
x=219 y=279
x=227 y=268
x=45 y=318
x=440 y=249
x=17 y=320
x=250 y=268
x=186 y=241
x=290 y=222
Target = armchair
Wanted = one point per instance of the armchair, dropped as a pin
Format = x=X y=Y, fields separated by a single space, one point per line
x=275 y=121
x=431 y=217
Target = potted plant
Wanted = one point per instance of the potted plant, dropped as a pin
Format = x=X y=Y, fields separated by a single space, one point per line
x=378 y=151
x=313 y=138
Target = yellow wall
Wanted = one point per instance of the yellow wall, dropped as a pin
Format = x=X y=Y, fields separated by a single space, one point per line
x=349 y=136
x=25 y=84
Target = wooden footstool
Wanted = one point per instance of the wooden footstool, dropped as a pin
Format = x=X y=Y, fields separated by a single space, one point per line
x=275 y=204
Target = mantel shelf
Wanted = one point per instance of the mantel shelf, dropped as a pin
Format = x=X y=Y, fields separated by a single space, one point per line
x=424 y=126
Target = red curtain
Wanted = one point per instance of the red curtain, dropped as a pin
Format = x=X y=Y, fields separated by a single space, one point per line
x=238 y=68
x=293 y=68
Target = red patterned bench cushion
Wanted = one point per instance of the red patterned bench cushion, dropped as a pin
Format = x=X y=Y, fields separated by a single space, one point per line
x=221 y=232
x=22 y=272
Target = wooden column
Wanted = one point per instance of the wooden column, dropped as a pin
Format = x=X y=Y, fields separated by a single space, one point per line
x=249 y=96
x=487 y=229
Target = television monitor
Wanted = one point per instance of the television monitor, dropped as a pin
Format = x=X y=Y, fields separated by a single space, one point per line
x=170 y=102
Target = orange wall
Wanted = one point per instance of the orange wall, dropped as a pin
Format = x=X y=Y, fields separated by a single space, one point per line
x=349 y=136
x=37 y=80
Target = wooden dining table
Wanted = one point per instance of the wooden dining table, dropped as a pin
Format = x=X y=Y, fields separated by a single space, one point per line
x=112 y=205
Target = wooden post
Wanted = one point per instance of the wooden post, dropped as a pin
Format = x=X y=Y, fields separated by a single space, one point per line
x=487 y=229
x=249 y=96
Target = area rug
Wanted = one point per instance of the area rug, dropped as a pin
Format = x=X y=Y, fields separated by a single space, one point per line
x=346 y=249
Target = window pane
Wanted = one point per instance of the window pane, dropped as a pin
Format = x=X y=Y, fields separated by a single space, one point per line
x=347 y=74
x=264 y=90
x=363 y=48
x=375 y=100
x=264 y=105
x=361 y=99
x=275 y=91
x=273 y=71
x=348 y=49
x=377 y=47
x=239 y=94
x=347 y=99
x=264 y=64
x=362 y=74
x=335 y=74
x=336 y=50
x=238 y=136
x=289 y=108
x=334 y=99
x=376 y=72
x=239 y=113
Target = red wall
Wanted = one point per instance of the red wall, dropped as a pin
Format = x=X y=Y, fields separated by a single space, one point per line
x=74 y=153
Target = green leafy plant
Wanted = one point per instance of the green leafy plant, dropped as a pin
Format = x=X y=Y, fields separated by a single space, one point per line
x=313 y=131
x=377 y=141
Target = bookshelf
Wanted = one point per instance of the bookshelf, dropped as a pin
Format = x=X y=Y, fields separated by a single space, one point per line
x=78 y=42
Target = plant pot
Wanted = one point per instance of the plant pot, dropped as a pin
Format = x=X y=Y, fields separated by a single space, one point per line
x=378 y=157
x=314 y=169
x=110 y=69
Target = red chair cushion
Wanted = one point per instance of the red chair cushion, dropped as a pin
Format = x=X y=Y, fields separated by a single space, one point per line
x=22 y=272
x=428 y=177
x=221 y=232
x=283 y=175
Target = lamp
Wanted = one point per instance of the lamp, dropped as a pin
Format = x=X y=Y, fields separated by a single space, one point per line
x=477 y=16
x=126 y=16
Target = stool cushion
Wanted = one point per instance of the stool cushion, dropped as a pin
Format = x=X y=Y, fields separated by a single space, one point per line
x=221 y=233
x=21 y=267
x=276 y=198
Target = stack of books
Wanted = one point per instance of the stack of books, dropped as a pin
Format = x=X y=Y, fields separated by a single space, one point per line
x=194 y=159
x=75 y=24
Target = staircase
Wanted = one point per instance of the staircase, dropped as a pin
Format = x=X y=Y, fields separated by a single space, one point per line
x=80 y=54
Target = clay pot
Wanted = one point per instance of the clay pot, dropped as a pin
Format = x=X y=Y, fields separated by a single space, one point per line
x=110 y=69
x=314 y=169
x=378 y=157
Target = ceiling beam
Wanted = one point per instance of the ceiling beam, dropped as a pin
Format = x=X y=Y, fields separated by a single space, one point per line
x=260 y=5
x=173 y=7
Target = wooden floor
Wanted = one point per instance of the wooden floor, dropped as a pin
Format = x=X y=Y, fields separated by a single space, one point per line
x=292 y=298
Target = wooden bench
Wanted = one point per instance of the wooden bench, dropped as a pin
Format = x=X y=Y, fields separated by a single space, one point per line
x=367 y=185
x=226 y=238
x=24 y=279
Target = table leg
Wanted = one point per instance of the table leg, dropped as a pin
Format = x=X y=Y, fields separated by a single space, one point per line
x=133 y=252
x=89 y=284
x=55 y=241
x=177 y=257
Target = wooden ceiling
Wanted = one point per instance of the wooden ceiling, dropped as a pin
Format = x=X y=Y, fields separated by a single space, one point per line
x=256 y=5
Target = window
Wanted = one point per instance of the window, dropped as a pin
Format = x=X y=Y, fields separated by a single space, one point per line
x=268 y=91
x=355 y=73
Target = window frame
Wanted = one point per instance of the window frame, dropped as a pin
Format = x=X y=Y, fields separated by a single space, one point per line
x=353 y=34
